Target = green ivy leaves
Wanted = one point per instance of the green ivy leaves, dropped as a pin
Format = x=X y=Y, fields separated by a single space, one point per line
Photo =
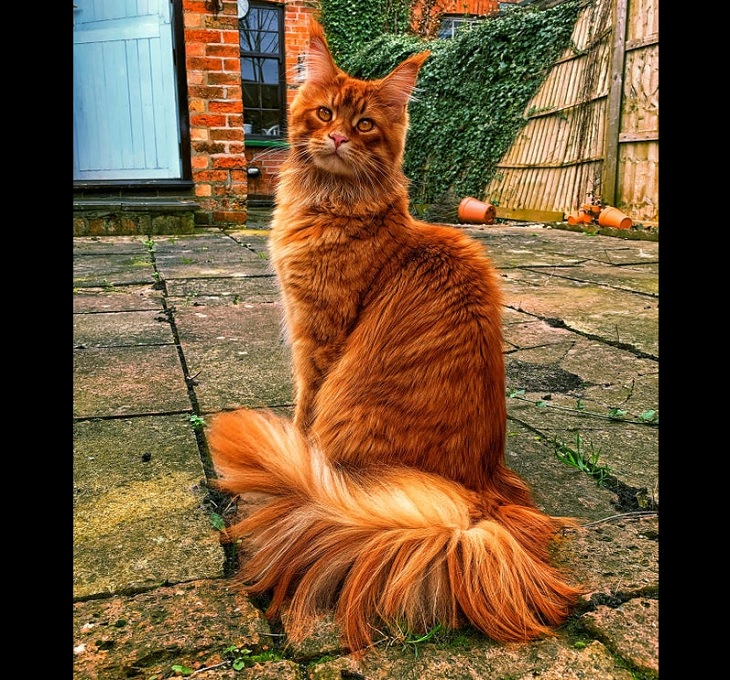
x=472 y=92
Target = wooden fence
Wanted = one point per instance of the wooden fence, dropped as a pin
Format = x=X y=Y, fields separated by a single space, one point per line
x=593 y=128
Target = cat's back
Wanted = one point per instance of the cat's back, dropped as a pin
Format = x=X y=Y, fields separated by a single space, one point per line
x=451 y=262
x=421 y=379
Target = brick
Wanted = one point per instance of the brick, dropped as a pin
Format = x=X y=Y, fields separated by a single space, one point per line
x=211 y=176
x=234 y=217
x=229 y=162
x=208 y=120
x=226 y=134
x=223 y=51
x=204 y=64
x=225 y=106
x=209 y=148
x=197 y=6
x=203 y=36
x=219 y=78
x=199 y=134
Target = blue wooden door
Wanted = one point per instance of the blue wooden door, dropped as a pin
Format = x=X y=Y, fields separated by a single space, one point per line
x=125 y=117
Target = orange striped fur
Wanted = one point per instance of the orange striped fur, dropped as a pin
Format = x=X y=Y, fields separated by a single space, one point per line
x=389 y=500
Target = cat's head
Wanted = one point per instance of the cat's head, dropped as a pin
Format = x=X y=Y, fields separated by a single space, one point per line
x=351 y=130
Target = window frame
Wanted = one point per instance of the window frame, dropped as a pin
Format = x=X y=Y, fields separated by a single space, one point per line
x=281 y=84
x=457 y=22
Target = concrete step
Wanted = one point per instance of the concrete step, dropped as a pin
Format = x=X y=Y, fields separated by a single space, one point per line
x=130 y=215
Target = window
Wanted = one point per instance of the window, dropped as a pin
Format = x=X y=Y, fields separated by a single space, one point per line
x=451 y=24
x=261 y=40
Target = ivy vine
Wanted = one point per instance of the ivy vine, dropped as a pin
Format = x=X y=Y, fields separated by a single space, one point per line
x=350 y=25
x=472 y=91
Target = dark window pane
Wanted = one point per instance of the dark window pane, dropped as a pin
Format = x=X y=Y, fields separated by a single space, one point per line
x=270 y=123
x=245 y=41
x=251 y=96
x=269 y=96
x=254 y=117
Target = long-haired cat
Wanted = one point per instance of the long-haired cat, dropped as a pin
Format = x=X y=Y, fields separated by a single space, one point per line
x=388 y=496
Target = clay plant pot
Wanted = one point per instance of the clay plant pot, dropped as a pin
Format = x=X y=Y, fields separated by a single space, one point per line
x=476 y=211
x=582 y=217
x=613 y=217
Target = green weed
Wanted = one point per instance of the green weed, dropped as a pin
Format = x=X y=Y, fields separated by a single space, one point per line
x=582 y=459
x=197 y=422
x=217 y=521
x=243 y=658
x=648 y=417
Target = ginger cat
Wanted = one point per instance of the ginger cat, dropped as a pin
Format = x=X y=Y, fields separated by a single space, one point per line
x=389 y=499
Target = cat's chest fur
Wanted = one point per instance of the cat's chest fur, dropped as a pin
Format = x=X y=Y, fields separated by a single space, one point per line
x=326 y=267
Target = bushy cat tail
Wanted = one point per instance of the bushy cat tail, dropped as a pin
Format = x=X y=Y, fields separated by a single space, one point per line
x=394 y=547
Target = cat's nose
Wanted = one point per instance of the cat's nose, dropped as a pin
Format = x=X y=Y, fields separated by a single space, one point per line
x=338 y=138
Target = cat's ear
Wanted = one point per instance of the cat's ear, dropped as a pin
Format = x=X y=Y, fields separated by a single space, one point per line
x=320 y=67
x=397 y=86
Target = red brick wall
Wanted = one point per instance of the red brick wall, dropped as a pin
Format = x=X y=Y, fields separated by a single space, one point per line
x=478 y=7
x=426 y=15
x=216 y=113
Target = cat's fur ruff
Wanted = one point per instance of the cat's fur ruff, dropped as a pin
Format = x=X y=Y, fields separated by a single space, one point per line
x=388 y=496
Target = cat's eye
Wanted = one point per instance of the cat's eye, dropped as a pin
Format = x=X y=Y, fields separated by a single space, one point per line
x=323 y=113
x=365 y=125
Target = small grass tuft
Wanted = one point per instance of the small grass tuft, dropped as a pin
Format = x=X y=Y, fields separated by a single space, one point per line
x=582 y=459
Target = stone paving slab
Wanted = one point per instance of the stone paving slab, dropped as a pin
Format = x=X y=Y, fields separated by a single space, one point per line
x=118 y=299
x=119 y=245
x=541 y=242
x=634 y=278
x=223 y=291
x=139 y=518
x=190 y=624
x=629 y=451
x=236 y=355
x=177 y=328
x=615 y=316
x=114 y=329
x=145 y=635
x=559 y=490
x=114 y=269
x=123 y=381
x=208 y=256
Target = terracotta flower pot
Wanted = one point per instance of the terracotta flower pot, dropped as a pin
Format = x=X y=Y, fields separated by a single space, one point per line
x=582 y=217
x=478 y=212
x=613 y=217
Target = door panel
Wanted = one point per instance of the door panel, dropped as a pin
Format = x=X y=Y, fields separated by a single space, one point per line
x=126 y=123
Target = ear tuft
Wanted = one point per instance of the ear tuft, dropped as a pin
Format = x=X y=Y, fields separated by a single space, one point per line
x=396 y=88
x=320 y=67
